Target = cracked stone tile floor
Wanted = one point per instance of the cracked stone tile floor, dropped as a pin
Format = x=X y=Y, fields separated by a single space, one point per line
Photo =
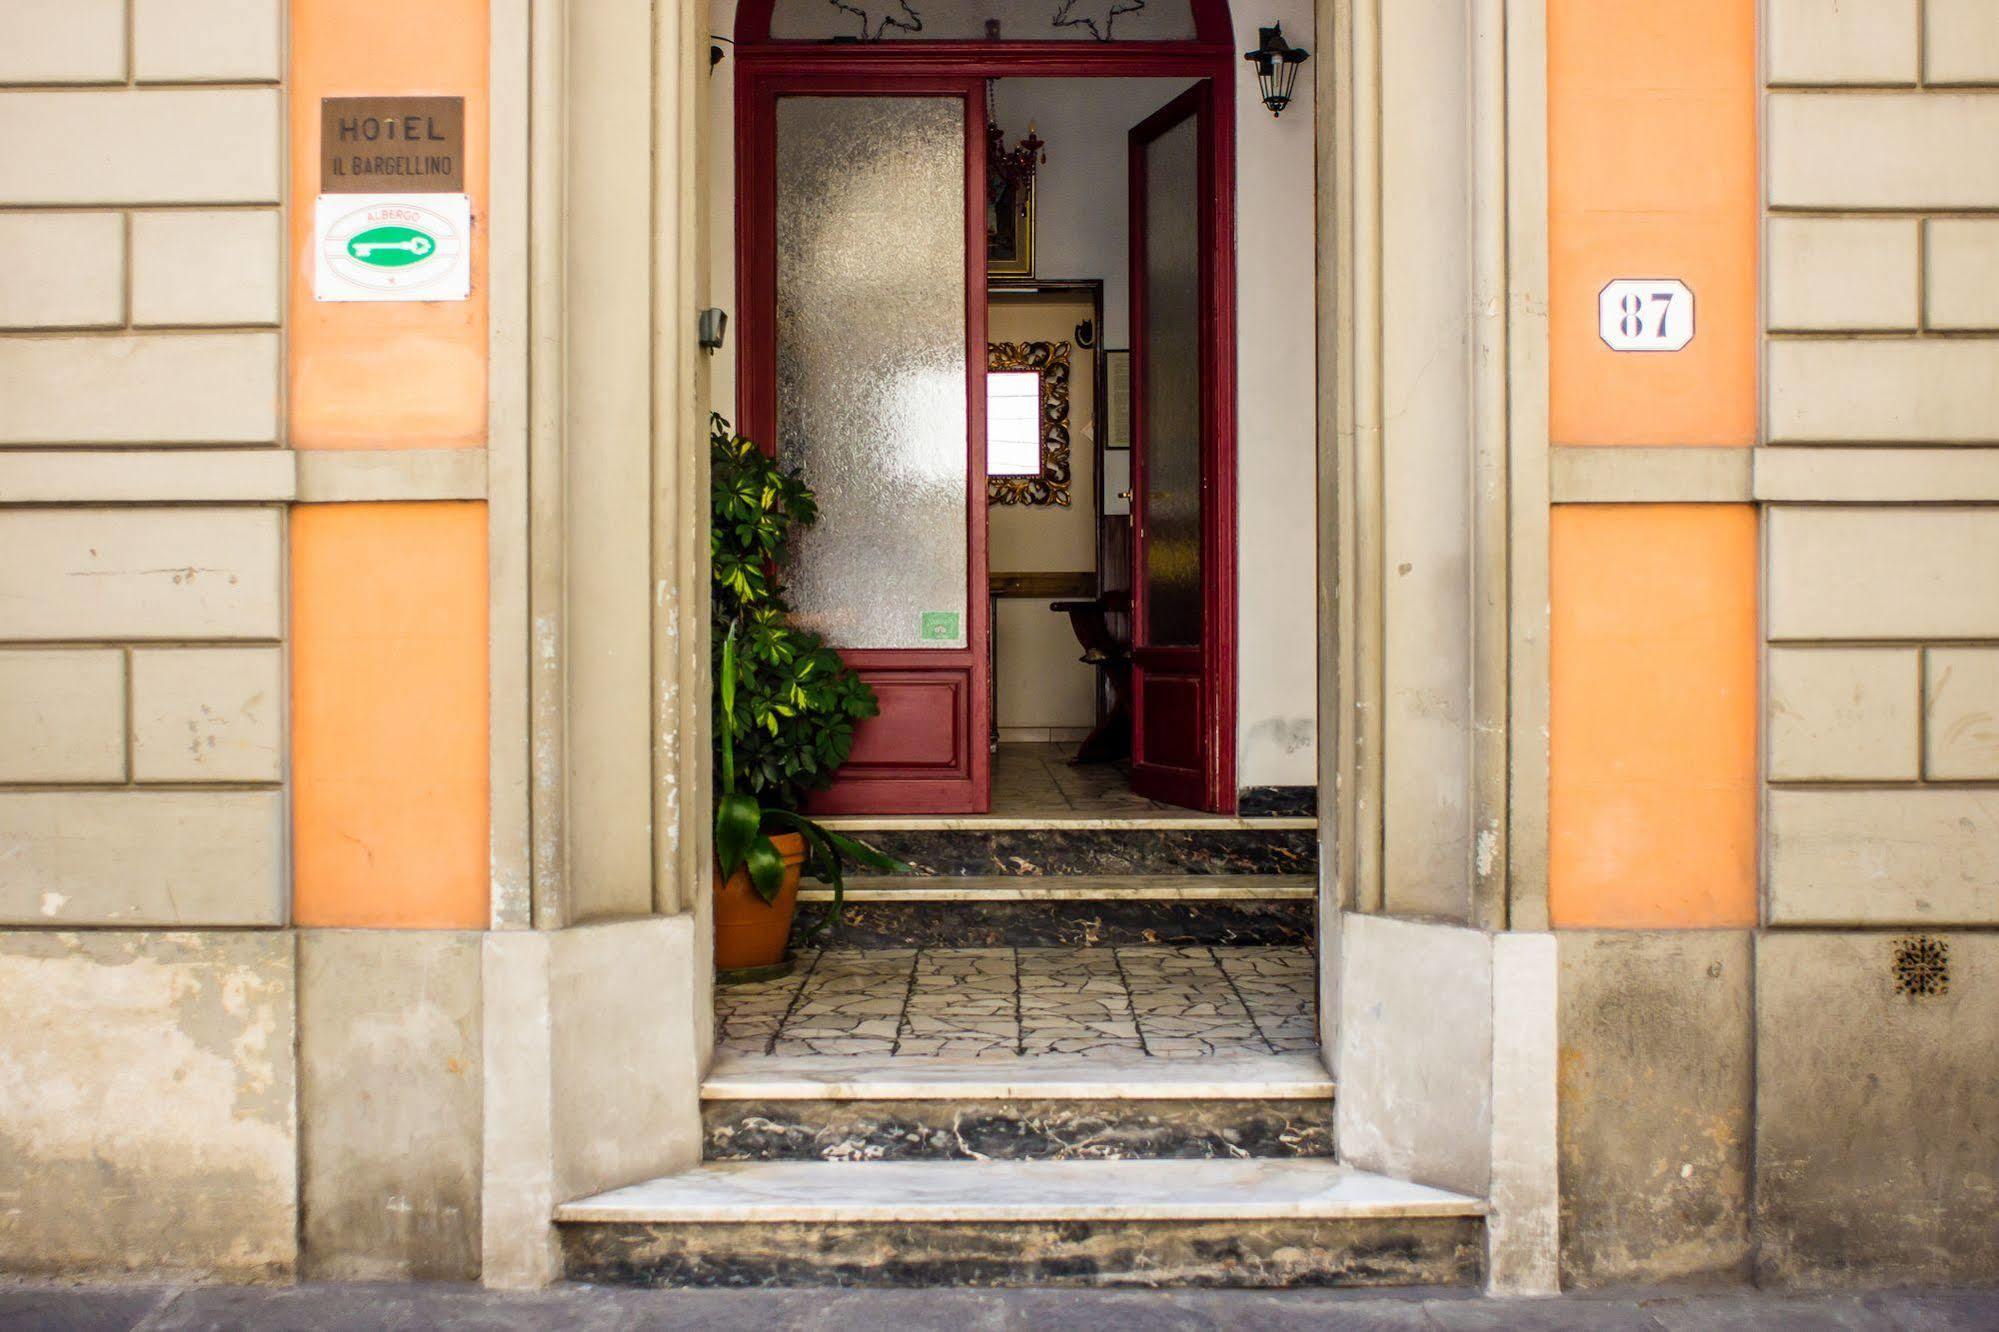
x=1001 y=1003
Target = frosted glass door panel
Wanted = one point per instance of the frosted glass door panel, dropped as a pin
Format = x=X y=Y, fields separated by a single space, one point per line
x=871 y=364
x=1171 y=421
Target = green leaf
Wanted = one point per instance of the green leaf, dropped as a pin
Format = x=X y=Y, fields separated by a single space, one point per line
x=737 y=820
x=863 y=854
x=727 y=686
x=791 y=721
x=766 y=868
x=828 y=862
x=822 y=862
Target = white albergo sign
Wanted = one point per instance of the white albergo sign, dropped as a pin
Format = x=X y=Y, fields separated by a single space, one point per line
x=392 y=247
x=1645 y=314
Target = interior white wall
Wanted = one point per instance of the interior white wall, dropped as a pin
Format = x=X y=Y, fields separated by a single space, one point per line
x=1080 y=193
x=1276 y=415
x=1081 y=206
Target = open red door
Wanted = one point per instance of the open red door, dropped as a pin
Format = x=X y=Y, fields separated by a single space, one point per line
x=1182 y=582
x=861 y=236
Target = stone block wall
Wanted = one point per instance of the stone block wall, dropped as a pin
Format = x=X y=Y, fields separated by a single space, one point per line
x=1883 y=316
x=224 y=656
x=142 y=695
x=143 y=738
x=1875 y=1123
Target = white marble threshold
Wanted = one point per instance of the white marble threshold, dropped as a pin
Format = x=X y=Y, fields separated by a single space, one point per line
x=736 y=1076
x=1073 y=888
x=1188 y=822
x=920 y=1191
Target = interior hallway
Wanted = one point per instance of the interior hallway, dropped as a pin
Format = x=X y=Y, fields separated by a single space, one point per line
x=1037 y=780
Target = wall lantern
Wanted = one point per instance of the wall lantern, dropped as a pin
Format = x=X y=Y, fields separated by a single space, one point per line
x=1276 y=64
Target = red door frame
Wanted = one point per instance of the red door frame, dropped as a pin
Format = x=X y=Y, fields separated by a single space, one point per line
x=891 y=66
x=1181 y=669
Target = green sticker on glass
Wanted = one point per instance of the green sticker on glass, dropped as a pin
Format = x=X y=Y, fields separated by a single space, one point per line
x=939 y=627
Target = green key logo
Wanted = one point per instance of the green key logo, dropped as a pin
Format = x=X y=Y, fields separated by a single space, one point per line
x=392 y=247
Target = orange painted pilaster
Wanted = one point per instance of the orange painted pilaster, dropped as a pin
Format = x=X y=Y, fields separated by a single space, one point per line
x=388 y=601
x=1652 y=173
x=389 y=738
x=369 y=375
x=1653 y=766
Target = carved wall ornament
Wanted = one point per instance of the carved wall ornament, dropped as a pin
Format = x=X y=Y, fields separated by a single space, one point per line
x=1101 y=22
x=910 y=20
x=1097 y=17
x=1051 y=361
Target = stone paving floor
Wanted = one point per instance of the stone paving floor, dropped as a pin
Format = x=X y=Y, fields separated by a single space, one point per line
x=987 y=1003
x=1031 y=780
x=333 y=1308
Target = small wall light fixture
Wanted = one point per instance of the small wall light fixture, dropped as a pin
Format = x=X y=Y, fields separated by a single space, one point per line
x=711 y=325
x=1276 y=62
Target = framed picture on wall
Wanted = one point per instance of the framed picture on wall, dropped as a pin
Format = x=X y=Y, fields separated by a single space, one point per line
x=1117 y=399
x=1009 y=226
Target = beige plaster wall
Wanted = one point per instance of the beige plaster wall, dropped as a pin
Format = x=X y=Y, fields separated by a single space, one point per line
x=1657 y=1061
x=390 y=1104
x=1414 y=1059
x=1875 y=1160
x=148 y=1109
x=1444 y=1045
x=592 y=1076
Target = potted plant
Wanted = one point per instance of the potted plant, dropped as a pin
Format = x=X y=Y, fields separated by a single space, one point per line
x=785 y=711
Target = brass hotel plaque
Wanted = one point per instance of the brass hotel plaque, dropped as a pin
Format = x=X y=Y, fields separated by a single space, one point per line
x=392 y=145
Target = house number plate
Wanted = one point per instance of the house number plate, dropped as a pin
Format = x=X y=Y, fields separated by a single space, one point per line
x=1645 y=314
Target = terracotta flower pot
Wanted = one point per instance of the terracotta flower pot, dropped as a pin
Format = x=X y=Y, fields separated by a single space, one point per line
x=750 y=932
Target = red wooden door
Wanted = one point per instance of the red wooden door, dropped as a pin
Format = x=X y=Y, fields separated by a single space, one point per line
x=1179 y=572
x=861 y=244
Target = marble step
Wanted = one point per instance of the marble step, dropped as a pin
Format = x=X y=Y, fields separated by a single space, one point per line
x=1096 y=1223
x=987 y=888
x=1070 y=910
x=1286 y=1077
x=982 y=847
x=932 y=922
x=1050 y=1107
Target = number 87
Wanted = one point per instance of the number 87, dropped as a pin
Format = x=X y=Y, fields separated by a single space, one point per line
x=1633 y=323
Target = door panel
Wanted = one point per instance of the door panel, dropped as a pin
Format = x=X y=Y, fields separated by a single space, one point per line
x=1173 y=409
x=922 y=723
x=862 y=236
x=1167 y=703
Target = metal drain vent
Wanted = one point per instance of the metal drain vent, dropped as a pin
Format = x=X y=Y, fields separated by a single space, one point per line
x=1922 y=966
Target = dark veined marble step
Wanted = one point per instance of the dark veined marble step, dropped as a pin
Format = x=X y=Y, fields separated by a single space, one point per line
x=976 y=847
x=1070 y=887
x=929 y=922
x=1240 y=1223
x=1105 y=1106
x=1015 y=1130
